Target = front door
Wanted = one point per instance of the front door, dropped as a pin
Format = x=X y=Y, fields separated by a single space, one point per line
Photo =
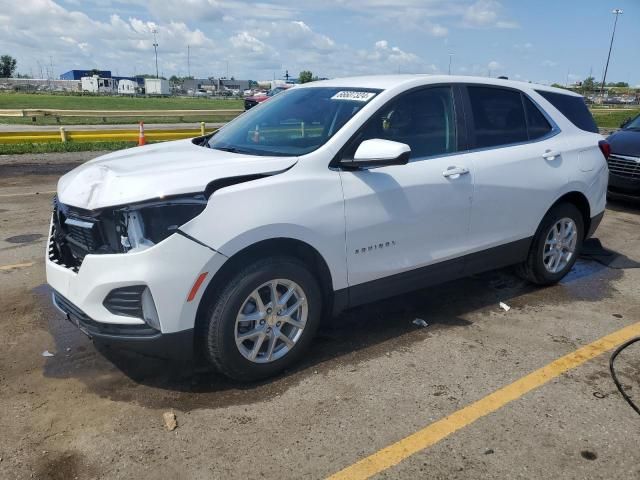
x=401 y=219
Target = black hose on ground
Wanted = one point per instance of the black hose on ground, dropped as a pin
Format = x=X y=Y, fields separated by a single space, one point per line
x=615 y=377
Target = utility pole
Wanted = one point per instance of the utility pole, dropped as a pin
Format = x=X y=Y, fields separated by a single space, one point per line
x=155 y=48
x=450 y=55
x=188 y=60
x=617 y=12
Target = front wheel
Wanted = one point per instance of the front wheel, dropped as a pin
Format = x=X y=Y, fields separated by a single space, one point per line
x=555 y=246
x=264 y=319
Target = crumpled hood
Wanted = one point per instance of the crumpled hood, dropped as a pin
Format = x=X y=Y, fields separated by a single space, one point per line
x=155 y=171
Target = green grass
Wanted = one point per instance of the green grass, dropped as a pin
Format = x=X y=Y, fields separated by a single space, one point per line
x=193 y=121
x=609 y=119
x=94 y=102
x=49 y=147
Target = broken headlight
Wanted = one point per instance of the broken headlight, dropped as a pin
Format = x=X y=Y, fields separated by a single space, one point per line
x=146 y=224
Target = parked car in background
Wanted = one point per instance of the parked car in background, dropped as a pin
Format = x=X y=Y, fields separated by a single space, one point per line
x=336 y=193
x=624 y=160
x=257 y=98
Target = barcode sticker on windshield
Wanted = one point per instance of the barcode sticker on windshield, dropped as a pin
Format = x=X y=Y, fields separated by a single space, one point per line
x=353 y=96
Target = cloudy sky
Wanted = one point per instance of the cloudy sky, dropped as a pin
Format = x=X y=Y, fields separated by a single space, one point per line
x=544 y=41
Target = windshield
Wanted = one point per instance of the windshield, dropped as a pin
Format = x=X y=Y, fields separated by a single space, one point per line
x=633 y=124
x=292 y=123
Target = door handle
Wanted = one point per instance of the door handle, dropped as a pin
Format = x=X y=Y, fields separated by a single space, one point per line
x=454 y=172
x=550 y=155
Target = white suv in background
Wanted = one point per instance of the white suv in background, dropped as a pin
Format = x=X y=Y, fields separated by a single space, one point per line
x=330 y=195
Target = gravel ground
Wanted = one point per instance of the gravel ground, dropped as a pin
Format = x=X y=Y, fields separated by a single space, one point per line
x=371 y=378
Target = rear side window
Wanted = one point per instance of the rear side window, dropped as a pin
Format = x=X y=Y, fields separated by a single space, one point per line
x=537 y=124
x=573 y=108
x=498 y=116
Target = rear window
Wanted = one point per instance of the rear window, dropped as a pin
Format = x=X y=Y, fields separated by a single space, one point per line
x=573 y=108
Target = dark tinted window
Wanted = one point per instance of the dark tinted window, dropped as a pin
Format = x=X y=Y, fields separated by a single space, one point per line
x=537 y=124
x=423 y=119
x=573 y=108
x=498 y=116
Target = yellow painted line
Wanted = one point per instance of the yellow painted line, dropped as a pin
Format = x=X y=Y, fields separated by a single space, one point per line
x=4 y=268
x=432 y=434
x=26 y=194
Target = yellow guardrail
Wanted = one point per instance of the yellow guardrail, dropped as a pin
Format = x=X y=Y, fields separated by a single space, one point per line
x=64 y=135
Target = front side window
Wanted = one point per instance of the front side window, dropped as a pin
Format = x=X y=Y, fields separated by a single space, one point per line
x=423 y=119
x=292 y=123
x=498 y=116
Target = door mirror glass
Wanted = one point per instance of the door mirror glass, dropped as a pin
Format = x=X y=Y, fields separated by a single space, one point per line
x=378 y=152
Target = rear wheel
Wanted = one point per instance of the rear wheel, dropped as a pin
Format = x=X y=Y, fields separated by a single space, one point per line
x=263 y=320
x=555 y=246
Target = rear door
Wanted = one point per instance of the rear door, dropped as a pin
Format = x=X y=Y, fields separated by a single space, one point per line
x=518 y=167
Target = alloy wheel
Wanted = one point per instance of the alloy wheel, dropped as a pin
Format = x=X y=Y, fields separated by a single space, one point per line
x=560 y=245
x=271 y=320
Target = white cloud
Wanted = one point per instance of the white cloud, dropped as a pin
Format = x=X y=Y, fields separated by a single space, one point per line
x=549 y=63
x=494 y=65
x=486 y=13
x=256 y=38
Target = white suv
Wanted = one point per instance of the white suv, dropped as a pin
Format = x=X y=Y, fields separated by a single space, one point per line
x=333 y=194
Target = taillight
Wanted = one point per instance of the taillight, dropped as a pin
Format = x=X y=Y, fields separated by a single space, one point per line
x=605 y=148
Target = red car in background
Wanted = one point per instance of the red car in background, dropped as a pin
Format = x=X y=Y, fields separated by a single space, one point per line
x=254 y=100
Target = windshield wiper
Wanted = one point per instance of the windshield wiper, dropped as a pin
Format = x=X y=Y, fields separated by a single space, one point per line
x=230 y=149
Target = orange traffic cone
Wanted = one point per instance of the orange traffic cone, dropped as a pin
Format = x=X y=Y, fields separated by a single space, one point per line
x=141 y=139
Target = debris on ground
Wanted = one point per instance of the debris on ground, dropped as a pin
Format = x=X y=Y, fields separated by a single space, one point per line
x=420 y=322
x=47 y=353
x=489 y=451
x=505 y=307
x=170 y=420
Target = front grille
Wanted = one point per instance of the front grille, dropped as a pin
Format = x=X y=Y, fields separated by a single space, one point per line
x=125 y=301
x=75 y=234
x=84 y=238
x=624 y=166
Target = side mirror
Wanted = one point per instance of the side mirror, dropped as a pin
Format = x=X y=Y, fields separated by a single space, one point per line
x=377 y=152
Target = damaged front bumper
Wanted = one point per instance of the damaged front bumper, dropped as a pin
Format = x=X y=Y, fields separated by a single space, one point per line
x=167 y=270
x=139 y=338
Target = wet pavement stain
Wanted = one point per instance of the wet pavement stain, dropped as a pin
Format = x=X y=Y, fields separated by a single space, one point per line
x=26 y=238
x=61 y=466
x=353 y=337
x=120 y=375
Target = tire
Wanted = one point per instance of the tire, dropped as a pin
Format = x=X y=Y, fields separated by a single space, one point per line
x=223 y=329
x=534 y=268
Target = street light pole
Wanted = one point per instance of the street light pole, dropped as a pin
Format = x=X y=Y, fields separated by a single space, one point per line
x=617 y=12
x=450 y=55
x=155 y=48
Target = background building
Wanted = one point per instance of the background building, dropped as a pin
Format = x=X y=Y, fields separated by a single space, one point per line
x=78 y=74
